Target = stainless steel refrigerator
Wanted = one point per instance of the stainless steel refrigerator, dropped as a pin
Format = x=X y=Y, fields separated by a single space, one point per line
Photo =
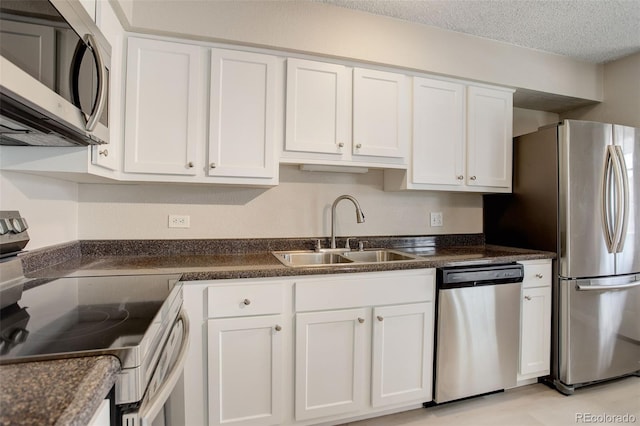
x=576 y=192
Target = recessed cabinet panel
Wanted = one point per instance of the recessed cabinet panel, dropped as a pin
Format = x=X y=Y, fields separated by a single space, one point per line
x=242 y=114
x=380 y=113
x=402 y=354
x=317 y=107
x=245 y=371
x=329 y=363
x=489 y=137
x=536 y=331
x=438 y=132
x=163 y=107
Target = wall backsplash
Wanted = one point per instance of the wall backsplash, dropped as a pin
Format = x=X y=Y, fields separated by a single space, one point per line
x=298 y=207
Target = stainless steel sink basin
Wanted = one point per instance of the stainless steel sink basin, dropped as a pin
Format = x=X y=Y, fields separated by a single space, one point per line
x=376 y=256
x=310 y=258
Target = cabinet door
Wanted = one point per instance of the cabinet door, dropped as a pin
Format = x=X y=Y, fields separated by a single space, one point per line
x=402 y=354
x=438 y=132
x=245 y=371
x=242 y=114
x=317 y=111
x=329 y=363
x=489 y=137
x=535 y=334
x=163 y=107
x=380 y=113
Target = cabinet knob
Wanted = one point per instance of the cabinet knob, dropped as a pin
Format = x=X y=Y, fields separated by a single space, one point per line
x=277 y=327
x=341 y=145
x=358 y=145
x=212 y=165
x=472 y=178
x=460 y=177
x=190 y=164
x=360 y=320
x=246 y=302
x=539 y=276
x=104 y=152
x=527 y=297
x=380 y=318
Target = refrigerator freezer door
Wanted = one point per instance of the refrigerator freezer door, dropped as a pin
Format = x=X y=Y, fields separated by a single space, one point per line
x=599 y=329
x=583 y=248
x=628 y=256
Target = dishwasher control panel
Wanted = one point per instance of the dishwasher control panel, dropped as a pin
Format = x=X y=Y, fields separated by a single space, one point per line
x=469 y=276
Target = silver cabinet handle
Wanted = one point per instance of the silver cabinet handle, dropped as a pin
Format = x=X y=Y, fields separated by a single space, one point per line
x=361 y=320
x=472 y=178
x=539 y=276
x=380 y=318
x=190 y=164
x=527 y=297
x=212 y=165
x=460 y=177
x=358 y=146
x=341 y=145
x=246 y=302
x=104 y=152
x=277 y=327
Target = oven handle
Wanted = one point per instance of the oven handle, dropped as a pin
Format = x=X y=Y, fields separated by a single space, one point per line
x=150 y=409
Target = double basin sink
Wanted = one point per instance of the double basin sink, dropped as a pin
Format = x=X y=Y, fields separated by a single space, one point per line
x=306 y=258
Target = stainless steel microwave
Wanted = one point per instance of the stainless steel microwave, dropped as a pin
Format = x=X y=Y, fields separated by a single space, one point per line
x=54 y=75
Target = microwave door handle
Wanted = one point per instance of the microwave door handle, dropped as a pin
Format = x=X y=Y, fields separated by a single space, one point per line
x=150 y=409
x=101 y=97
x=623 y=214
x=96 y=111
x=605 y=197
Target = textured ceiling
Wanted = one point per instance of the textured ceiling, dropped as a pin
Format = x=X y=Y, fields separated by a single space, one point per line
x=597 y=31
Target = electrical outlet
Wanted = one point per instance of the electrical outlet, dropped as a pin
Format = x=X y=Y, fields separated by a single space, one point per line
x=436 y=218
x=178 y=221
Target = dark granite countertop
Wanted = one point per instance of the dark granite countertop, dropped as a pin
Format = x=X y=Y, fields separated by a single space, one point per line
x=60 y=392
x=68 y=391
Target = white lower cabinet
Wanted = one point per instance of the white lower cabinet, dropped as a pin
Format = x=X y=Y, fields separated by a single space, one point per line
x=402 y=354
x=330 y=350
x=308 y=350
x=245 y=370
x=535 y=323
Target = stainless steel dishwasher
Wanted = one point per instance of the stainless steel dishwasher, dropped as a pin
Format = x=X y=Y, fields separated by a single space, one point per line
x=478 y=326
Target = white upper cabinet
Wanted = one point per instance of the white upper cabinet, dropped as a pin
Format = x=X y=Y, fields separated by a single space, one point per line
x=489 y=137
x=317 y=118
x=339 y=115
x=242 y=107
x=163 y=107
x=438 y=132
x=461 y=138
x=380 y=113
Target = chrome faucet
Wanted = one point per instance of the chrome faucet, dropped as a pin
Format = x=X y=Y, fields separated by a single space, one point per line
x=359 y=215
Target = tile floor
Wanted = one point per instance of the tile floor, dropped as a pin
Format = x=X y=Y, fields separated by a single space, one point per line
x=534 y=404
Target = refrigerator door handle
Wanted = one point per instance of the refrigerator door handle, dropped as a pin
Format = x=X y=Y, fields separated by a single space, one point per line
x=605 y=196
x=607 y=287
x=623 y=212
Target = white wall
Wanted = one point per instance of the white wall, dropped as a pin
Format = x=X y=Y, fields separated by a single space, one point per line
x=49 y=205
x=331 y=31
x=621 y=103
x=298 y=207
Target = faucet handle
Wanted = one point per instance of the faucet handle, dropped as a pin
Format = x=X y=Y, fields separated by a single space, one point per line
x=361 y=245
x=347 y=245
x=318 y=245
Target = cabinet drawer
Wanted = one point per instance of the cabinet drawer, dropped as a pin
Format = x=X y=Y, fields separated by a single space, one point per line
x=368 y=289
x=537 y=275
x=244 y=300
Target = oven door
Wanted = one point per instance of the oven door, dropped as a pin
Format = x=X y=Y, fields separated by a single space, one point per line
x=151 y=410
